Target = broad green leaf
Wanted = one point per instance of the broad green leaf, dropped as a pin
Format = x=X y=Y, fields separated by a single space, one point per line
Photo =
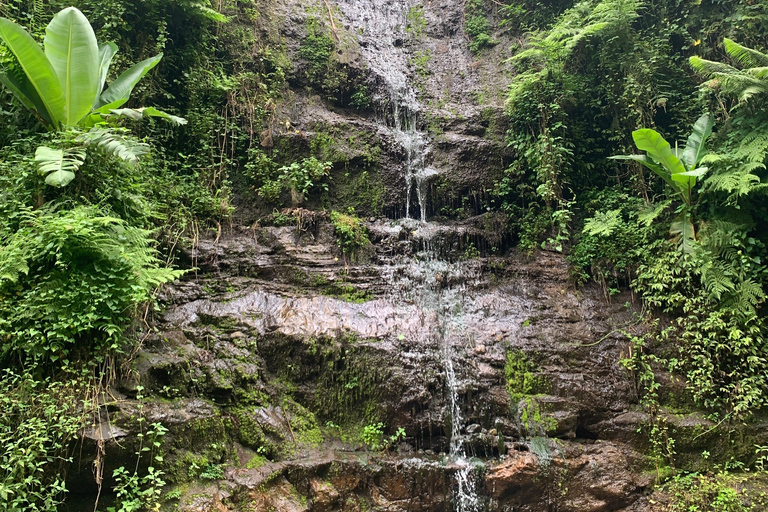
x=682 y=229
x=70 y=46
x=40 y=74
x=154 y=112
x=695 y=147
x=650 y=164
x=58 y=165
x=120 y=90
x=659 y=149
x=106 y=52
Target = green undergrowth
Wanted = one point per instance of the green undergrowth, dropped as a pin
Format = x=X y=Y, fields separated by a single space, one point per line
x=720 y=492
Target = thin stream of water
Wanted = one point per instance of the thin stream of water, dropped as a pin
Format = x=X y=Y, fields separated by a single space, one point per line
x=382 y=26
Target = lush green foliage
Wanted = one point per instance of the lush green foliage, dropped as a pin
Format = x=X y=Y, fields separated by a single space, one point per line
x=39 y=421
x=69 y=278
x=64 y=86
x=601 y=72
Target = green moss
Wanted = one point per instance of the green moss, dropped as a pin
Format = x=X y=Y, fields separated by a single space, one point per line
x=521 y=380
x=316 y=48
x=536 y=421
x=256 y=462
x=415 y=23
x=351 y=234
x=348 y=293
x=248 y=430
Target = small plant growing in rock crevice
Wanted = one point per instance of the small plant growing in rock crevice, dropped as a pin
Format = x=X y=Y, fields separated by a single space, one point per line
x=351 y=234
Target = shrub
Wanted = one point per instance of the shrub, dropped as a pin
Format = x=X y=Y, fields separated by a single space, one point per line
x=39 y=420
x=71 y=278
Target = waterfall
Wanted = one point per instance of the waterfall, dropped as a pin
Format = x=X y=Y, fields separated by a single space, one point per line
x=381 y=28
x=426 y=282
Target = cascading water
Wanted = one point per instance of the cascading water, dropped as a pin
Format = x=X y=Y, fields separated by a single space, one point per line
x=424 y=283
x=382 y=31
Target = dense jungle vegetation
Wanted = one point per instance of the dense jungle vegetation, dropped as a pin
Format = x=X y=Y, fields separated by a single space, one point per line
x=93 y=209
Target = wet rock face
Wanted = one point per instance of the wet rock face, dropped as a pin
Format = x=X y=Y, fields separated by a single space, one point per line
x=413 y=64
x=275 y=357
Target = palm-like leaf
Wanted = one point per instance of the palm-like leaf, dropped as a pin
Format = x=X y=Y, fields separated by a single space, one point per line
x=743 y=83
x=747 y=57
x=58 y=165
x=116 y=144
x=70 y=47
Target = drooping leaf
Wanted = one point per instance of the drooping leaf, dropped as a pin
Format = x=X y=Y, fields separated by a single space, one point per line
x=107 y=52
x=683 y=231
x=119 y=91
x=154 y=112
x=136 y=114
x=58 y=165
x=116 y=144
x=696 y=173
x=695 y=147
x=650 y=164
x=70 y=46
x=40 y=74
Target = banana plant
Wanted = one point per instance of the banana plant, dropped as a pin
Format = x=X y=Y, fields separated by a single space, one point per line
x=679 y=168
x=64 y=82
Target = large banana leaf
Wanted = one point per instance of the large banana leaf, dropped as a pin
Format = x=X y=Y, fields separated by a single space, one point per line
x=658 y=149
x=119 y=91
x=70 y=46
x=40 y=74
x=58 y=165
x=695 y=147
x=15 y=80
x=106 y=52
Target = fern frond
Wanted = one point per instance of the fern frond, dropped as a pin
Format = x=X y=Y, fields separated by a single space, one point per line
x=647 y=215
x=747 y=57
x=603 y=223
x=716 y=281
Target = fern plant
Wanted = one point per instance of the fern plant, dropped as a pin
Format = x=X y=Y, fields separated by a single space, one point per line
x=71 y=278
x=736 y=171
